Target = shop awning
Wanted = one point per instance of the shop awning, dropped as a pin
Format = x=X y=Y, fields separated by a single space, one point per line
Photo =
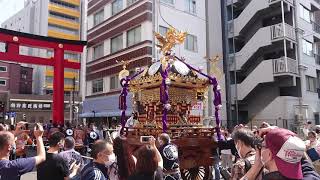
x=106 y=106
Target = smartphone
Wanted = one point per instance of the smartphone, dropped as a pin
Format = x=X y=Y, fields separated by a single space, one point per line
x=145 y=139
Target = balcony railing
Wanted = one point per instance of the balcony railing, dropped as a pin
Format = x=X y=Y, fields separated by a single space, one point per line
x=316 y=26
x=230 y=28
x=274 y=1
x=317 y=58
x=279 y=66
x=277 y=32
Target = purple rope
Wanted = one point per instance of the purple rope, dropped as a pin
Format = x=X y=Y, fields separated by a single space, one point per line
x=164 y=95
x=124 y=82
x=217 y=95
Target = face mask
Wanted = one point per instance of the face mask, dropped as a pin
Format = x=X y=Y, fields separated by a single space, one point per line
x=111 y=159
x=238 y=149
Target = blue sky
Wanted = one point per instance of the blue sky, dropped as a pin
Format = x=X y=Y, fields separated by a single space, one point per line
x=9 y=8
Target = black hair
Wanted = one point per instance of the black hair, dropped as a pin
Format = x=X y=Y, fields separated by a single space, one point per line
x=69 y=143
x=97 y=147
x=245 y=135
x=55 y=138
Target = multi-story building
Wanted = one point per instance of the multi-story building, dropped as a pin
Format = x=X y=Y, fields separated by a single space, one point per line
x=273 y=61
x=15 y=78
x=122 y=30
x=53 y=18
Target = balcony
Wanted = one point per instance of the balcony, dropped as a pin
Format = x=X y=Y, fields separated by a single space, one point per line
x=285 y=65
x=64 y=10
x=63 y=23
x=73 y=2
x=277 y=32
x=315 y=26
x=275 y=1
x=61 y=35
x=317 y=58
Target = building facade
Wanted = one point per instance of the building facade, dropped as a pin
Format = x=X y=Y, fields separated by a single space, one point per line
x=122 y=30
x=30 y=108
x=273 y=61
x=15 y=78
x=53 y=18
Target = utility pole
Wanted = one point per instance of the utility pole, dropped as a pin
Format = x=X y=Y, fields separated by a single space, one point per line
x=226 y=67
x=73 y=90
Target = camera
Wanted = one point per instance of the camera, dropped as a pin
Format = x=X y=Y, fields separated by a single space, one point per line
x=257 y=143
x=145 y=139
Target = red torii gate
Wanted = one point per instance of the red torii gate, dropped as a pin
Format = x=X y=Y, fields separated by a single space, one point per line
x=14 y=40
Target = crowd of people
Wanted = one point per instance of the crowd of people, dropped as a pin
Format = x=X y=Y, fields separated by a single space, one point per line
x=268 y=153
x=110 y=159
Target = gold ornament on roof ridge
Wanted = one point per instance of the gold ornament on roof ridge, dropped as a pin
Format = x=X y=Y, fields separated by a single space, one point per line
x=171 y=38
x=124 y=72
x=214 y=68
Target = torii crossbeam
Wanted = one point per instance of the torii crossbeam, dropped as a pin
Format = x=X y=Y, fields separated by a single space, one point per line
x=14 y=40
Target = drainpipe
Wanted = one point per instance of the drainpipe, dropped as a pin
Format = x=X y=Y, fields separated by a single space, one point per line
x=226 y=61
x=208 y=55
x=235 y=68
x=300 y=68
x=284 y=36
x=153 y=28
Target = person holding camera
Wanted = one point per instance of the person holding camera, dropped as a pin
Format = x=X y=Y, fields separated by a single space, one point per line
x=149 y=162
x=282 y=153
x=244 y=142
x=14 y=169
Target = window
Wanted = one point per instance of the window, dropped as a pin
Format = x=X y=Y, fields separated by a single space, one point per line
x=167 y=1
x=114 y=82
x=116 y=6
x=305 y=13
x=98 y=51
x=311 y=83
x=98 y=17
x=3 y=82
x=133 y=36
x=63 y=16
x=129 y=2
x=163 y=30
x=63 y=29
x=307 y=47
x=97 y=85
x=191 y=6
x=3 y=68
x=191 y=43
x=71 y=56
x=64 y=4
x=116 y=43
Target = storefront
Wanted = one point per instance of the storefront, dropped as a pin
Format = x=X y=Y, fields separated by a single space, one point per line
x=104 y=110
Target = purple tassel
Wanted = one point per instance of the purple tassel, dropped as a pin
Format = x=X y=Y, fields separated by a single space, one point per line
x=124 y=82
x=217 y=96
